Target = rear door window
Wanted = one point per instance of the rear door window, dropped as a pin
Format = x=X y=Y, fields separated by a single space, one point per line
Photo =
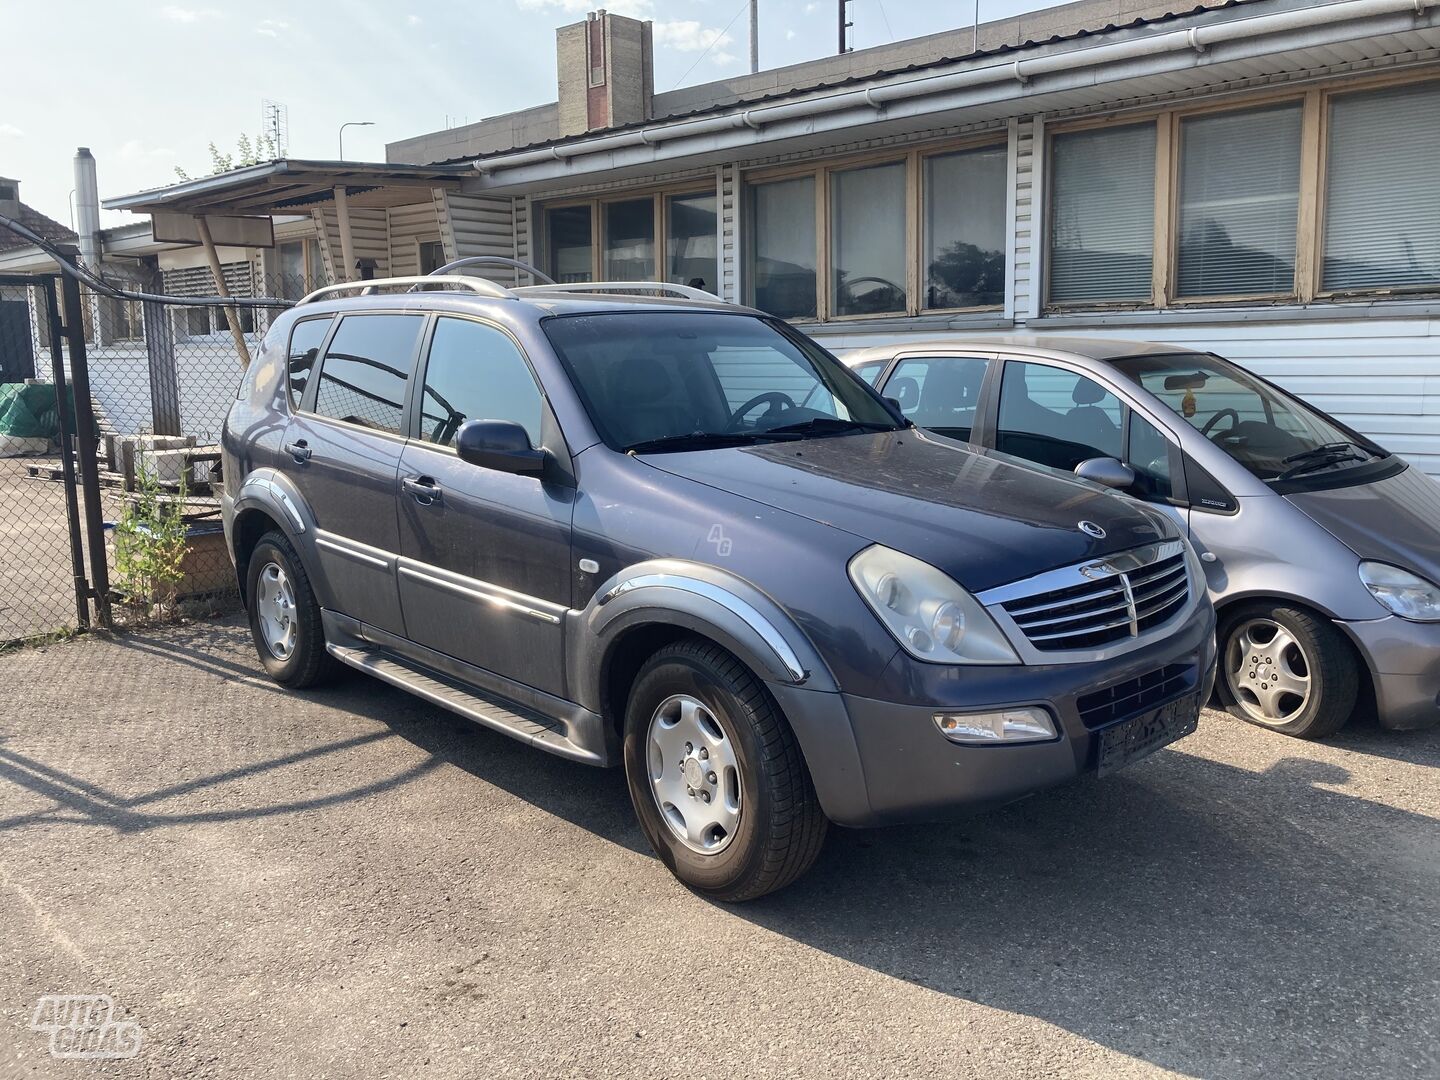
x=870 y=370
x=939 y=392
x=1056 y=417
x=365 y=371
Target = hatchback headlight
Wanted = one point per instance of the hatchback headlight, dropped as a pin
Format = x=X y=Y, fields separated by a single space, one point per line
x=1408 y=595
x=931 y=617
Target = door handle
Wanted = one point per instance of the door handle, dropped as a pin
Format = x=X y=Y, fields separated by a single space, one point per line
x=299 y=450
x=423 y=489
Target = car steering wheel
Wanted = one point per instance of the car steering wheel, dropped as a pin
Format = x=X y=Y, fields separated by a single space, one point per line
x=1215 y=419
x=774 y=397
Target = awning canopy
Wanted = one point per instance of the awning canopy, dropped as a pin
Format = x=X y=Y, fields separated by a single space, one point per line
x=289 y=186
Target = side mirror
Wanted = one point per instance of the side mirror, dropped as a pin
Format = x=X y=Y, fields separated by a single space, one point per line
x=502 y=445
x=1103 y=470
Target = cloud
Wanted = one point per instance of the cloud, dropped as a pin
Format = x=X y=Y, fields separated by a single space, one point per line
x=134 y=149
x=790 y=35
x=10 y=131
x=188 y=15
x=272 y=28
x=687 y=35
x=811 y=8
x=412 y=20
x=635 y=9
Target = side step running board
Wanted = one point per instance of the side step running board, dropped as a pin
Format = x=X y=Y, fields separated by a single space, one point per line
x=493 y=711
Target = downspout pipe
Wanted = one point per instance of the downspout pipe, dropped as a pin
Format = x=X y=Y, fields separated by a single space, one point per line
x=1193 y=39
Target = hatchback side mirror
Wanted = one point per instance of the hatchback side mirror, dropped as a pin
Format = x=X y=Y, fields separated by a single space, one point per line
x=502 y=445
x=1107 y=471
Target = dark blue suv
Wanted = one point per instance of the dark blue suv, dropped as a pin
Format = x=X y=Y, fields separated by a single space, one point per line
x=630 y=524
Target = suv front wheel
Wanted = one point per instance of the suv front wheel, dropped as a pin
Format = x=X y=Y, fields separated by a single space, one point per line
x=718 y=782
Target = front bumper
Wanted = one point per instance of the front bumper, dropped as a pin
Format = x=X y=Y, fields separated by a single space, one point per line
x=1404 y=662
x=883 y=762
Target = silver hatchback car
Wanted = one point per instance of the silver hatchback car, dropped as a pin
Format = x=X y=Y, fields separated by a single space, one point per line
x=1321 y=549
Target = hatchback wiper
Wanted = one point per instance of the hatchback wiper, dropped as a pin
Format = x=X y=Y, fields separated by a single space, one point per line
x=830 y=425
x=701 y=440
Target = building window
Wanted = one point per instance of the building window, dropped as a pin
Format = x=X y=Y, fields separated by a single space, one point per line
x=299 y=269
x=569 y=244
x=964 y=205
x=1239 y=197
x=781 y=271
x=431 y=255
x=668 y=236
x=1102 y=215
x=630 y=240
x=691 y=230
x=867 y=238
x=1382 y=217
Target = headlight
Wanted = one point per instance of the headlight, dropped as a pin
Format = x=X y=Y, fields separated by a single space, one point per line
x=1408 y=595
x=932 y=617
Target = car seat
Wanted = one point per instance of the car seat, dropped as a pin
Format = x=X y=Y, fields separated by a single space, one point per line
x=1088 y=423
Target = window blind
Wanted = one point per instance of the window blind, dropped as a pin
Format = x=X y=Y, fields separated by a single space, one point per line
x=1239 y=201
x=1382 y=211
x=1102 y=215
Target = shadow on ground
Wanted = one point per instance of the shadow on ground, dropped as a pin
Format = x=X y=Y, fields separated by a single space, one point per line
x=1190 y=913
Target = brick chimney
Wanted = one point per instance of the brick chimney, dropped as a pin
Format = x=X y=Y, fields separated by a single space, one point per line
x=9 y=197
x=606 y=72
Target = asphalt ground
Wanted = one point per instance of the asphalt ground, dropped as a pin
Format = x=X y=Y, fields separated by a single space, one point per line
x=350 y=883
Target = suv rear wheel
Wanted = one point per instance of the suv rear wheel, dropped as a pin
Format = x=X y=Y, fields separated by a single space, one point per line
x=1285 y=669
x=285 y=616
x=716 y=777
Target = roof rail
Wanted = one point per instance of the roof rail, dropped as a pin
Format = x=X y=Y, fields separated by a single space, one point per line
x=477 y=285
x=538 y=276
x=687 y=292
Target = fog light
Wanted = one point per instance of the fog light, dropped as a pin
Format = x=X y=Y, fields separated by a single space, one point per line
x=1000 y=726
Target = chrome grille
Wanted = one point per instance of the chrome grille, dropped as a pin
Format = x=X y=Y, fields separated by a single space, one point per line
x=1101 y=602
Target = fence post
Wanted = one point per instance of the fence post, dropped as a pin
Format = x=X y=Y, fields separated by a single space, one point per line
x=67 y=449
x=164 y=381
x=87 y=449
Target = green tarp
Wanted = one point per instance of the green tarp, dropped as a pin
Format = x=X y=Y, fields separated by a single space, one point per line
x=27 y=411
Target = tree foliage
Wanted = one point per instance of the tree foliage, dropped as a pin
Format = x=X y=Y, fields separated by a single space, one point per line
x=246 y=152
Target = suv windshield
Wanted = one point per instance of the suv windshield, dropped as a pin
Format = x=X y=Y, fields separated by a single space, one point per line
x=690 y=380
x=1276 y=436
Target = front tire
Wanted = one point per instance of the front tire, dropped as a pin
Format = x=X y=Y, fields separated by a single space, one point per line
x=718 y=782
x=285 y=615
x=1286 y=669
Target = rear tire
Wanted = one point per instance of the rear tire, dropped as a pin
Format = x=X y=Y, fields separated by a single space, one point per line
x=742 y=820
x=285 y=615
x=1286 y=669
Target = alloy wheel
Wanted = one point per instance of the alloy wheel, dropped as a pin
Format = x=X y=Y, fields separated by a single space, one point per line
x=1268 y=672
x=275 y=610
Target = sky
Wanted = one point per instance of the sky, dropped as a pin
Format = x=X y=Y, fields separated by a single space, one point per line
x=147 y=86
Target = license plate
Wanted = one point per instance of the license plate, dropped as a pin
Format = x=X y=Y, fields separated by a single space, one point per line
x=1141 y=735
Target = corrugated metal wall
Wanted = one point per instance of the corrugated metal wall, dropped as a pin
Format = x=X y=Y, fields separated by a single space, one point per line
x=370 y=229
x=408 y=226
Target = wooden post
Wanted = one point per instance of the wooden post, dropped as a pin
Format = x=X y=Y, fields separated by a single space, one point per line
x=231 y=317
x=347 y=240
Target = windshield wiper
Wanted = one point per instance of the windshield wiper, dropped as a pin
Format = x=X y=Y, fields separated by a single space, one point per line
x=1311 y=462
x=701 y=440
x=830 y=425
x=1323 y=450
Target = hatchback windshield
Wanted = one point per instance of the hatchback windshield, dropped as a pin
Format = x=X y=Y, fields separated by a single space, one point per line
x=692 y=380
x=1275 y=436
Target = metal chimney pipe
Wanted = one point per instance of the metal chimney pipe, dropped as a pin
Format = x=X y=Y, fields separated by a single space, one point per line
x=87 y=208
x=754 y=36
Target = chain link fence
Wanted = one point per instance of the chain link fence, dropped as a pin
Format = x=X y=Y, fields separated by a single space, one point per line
x=162 y=373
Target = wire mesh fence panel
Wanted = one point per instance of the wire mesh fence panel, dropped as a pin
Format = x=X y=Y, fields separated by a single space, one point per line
x=162 y=377
x=37 y=572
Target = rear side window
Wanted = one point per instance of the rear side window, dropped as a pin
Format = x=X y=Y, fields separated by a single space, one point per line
x=476 y=372
x=366 y=367
x=306 y=338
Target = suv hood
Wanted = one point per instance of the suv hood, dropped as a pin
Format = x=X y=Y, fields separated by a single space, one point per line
x=1395 y=520
x=982 y=518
